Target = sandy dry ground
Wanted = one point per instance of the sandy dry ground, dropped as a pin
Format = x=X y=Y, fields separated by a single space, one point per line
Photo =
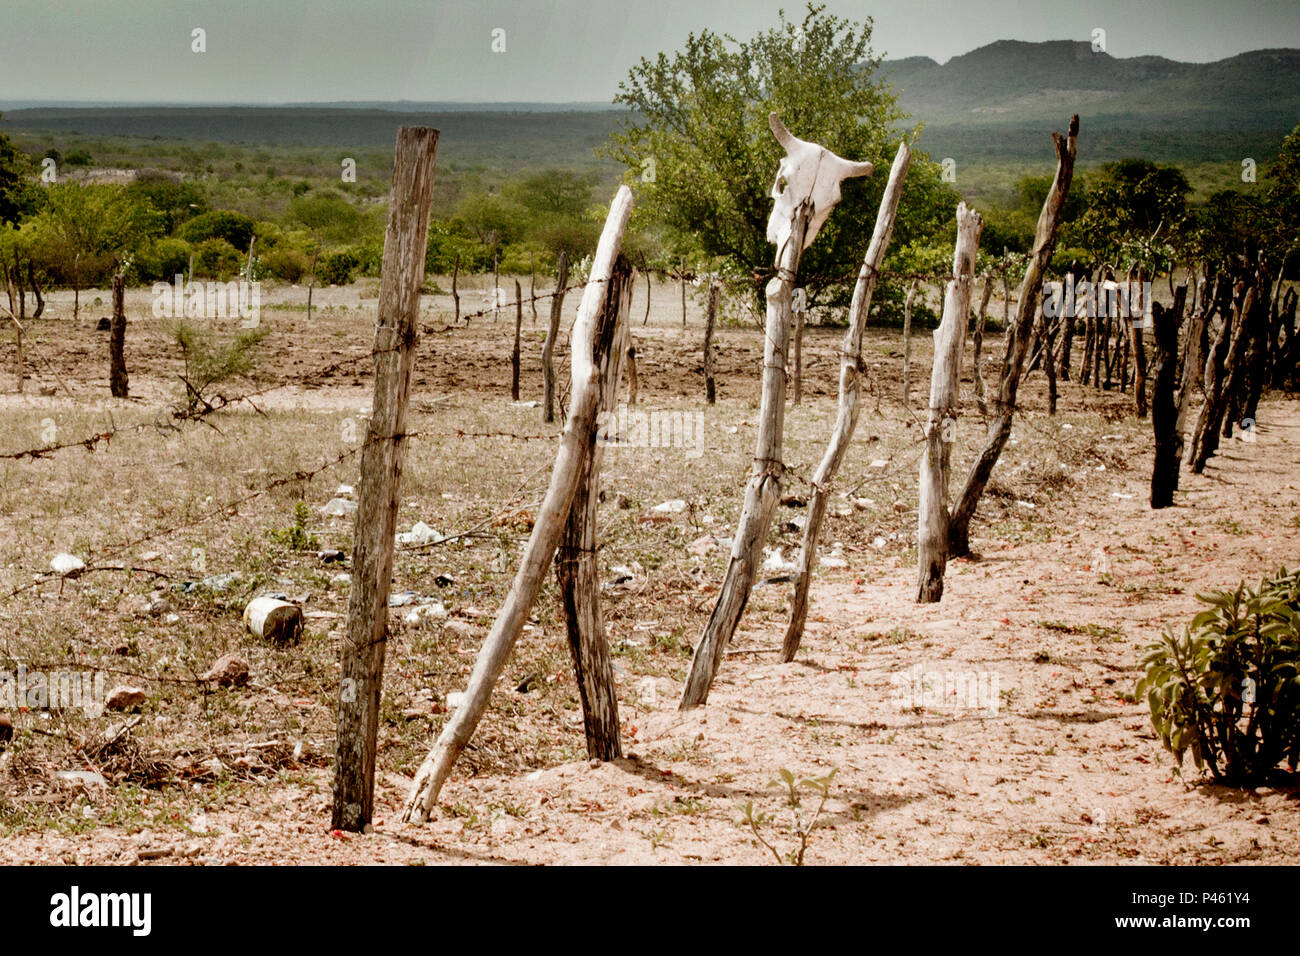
x=997 y=726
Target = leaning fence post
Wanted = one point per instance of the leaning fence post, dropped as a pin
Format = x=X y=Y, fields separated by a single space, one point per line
x=941 y=427
x=514 y=355
x=710 y=317
x=552 y=516
x=382 y=459
x=813 y=175
x=552 y=331
x=117 y=378
x=575 y=561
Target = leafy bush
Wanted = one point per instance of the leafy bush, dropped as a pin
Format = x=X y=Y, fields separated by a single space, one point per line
x=337 y=267
x=287 y=264
x=232 y=227
x=216 y=259
x=1227 y=690
x=210 y=361
x=296 y=537
x=163 y=260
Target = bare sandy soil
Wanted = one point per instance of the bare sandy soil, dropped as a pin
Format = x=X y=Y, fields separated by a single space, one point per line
x=997 y=726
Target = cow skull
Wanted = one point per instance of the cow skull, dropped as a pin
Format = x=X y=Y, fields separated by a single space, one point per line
x=808 y=174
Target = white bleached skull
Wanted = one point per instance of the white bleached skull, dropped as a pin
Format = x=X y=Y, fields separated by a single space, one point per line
x=808 y=173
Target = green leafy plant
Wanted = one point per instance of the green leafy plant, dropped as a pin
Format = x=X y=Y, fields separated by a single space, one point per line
x=801 y=823
x=1227 y=689
x=296 y=537
x=210 y=362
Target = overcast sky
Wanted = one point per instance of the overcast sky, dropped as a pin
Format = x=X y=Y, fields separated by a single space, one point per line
x=556 y=50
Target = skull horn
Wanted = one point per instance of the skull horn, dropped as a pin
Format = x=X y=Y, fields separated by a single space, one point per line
x=783 y=135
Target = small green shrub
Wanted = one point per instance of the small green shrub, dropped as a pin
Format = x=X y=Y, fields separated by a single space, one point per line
x=296 y=537
x=337 y=268
x=210 y=361
x=1227 y=689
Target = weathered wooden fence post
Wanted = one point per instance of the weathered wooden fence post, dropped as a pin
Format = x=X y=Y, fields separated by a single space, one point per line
x=552 y=332
x=552 y=518
x=1019 y=335
x=941 y=428
x=799 y=307
x=17 y=323
x=532 y=286
x=682 y=274
x=907 y=341
x=575 y=561
x=1164 y=406
x=1138 y=347
x=710 y=317
x=846 y=419
x=117 y=378
x=977 y=361
x=514 y=355
x=382 y=458
x=455 y=292
x=806 y=190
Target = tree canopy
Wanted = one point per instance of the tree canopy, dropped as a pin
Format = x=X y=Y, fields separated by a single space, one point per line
x=699 y=152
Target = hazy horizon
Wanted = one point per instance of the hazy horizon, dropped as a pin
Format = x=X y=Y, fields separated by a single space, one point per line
x=565 y=52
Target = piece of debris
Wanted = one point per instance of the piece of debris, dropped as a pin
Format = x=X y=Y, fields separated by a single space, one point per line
x=675 y=506
x=228 y=670
x=6 y=729
x=435 y=610
x=221 y=582
x=338 y=507
x=702 y=545
x=125 y=698
x=332 y=556
x=87 y=778
x=456 y=699
x=344 y=491
x=65 y=564
x=273 y=620
x=402 y=598
x=420 y=533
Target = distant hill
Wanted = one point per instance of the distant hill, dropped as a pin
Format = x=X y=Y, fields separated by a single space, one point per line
x=995 y=104
x=997 y=100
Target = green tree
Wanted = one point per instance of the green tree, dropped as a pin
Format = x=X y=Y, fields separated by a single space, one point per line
x=14 y=193
x=702 y=159
x=1133 y=205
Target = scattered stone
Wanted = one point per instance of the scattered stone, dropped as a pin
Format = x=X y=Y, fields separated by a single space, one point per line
x=125 y=698
x=332 y=557
x=341 y=580
x=159 y=606
x=402 y=598
x=444 y=581
x=456 y=699
x=419 y=534
x=344 y=491
x=228 y=670
x=463 y=628
x=86 y=778
x=622 y=502
x=701 y=546
x=437 y=610
x=65 y=564
x=675 y=506
x=338 y=507
x=155 y=853
x=221 y=582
